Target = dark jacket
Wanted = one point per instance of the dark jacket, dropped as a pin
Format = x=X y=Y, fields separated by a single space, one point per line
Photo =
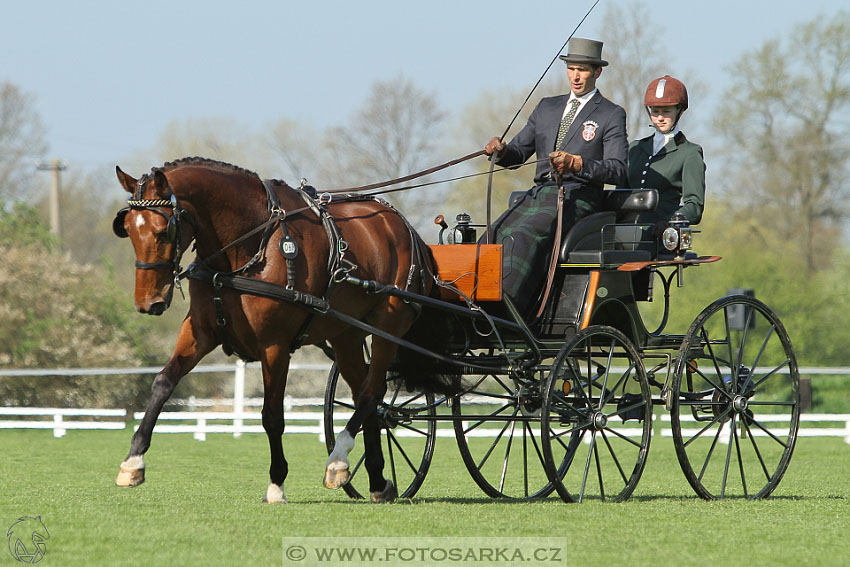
x=677 y=171
x=597 y=134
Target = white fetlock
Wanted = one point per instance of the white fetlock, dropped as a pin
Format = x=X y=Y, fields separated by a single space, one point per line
x=388 y=494
x=132 y=472
x=336 y=469
x=274 y=494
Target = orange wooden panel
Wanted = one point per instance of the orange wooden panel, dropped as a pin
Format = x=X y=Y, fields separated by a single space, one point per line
x=459 y=263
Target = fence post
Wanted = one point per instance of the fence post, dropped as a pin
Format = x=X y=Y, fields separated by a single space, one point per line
x=58 y=428
x=238 y=396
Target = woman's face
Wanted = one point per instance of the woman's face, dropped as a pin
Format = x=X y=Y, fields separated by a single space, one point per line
x=663 y=117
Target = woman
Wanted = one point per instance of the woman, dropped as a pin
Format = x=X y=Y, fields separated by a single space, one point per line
x=666 y=160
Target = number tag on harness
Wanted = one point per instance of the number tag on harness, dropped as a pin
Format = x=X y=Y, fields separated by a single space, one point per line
x=288 y=247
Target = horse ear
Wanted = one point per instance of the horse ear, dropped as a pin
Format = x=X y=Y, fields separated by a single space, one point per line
x=160 y=182
x=127 y=182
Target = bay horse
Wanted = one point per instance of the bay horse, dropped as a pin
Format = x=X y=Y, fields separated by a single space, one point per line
x=263 y=232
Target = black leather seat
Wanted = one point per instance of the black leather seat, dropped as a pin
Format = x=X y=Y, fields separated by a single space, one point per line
x=612 y=236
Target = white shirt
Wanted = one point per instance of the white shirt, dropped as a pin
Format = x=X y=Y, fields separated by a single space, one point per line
x=660 y=140
x=583 y=99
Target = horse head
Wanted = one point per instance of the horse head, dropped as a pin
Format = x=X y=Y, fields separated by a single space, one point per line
x=160 y=231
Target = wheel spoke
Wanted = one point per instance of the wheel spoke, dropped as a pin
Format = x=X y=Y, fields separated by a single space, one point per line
x=712 y=422
x=507 y=457
x=710 y=452
x=413 y=429
x=483 y=421
x=493 y=445
x=614 y=456
x=756 y=449
x=401 y=451
x=728 y=456
x=773 y=372
x=740 y=461
x=587 y=465
x=766 y=430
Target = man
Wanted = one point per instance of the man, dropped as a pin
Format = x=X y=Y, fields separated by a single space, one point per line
x=584 y=136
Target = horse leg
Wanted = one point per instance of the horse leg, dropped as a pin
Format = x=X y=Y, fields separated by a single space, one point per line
x=365 y=416
x=353 y=367
x=275 y=371
x=187 y=353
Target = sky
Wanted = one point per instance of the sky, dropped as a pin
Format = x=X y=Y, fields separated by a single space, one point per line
x=107 y=77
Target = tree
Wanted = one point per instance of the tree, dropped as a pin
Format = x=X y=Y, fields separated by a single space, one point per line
x=21 y=141
x=635 y=61
x=394 y=133
x=785 y=129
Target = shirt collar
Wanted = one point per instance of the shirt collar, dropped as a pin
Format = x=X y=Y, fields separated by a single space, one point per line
x=660 y=140
x=583 y=98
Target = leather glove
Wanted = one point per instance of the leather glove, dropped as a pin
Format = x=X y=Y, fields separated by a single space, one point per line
x=494 y=146
x=659 y=227
x=563 y=162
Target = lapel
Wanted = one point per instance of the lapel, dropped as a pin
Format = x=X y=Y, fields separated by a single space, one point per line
x=586 y=112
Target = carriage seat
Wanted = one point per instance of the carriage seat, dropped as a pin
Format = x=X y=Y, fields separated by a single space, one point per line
x=613 y=235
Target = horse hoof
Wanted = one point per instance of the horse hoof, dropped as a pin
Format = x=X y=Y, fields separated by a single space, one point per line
x=130 y=477
x=335 y=478
x=274 y=494
x=388 y=494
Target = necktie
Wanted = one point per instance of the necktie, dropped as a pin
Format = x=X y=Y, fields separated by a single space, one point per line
x=566 y=121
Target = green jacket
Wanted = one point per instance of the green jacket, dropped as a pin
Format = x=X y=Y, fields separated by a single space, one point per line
x=677 y=171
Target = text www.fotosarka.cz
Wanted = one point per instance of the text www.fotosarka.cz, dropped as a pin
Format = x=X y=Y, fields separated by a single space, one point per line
x=412 y=550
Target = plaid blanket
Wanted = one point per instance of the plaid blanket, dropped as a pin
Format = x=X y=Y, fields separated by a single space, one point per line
x=527 y=229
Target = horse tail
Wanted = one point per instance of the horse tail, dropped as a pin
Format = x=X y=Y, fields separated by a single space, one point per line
x=420 y=372
x=433 y=331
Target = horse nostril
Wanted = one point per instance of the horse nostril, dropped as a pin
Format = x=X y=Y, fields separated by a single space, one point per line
x=157 y=308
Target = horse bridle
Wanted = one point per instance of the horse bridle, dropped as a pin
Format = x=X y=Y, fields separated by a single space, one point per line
x=172 y=230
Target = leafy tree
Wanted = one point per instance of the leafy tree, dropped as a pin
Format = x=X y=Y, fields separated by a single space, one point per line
x=785 y=133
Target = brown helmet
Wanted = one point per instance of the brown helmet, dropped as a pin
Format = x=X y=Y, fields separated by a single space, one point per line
x=666 y=91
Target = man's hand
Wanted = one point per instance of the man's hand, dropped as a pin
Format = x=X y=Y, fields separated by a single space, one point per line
x=494 y=146
x=562 y=162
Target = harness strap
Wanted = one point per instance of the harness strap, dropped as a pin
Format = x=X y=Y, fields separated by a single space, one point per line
x=553 y=262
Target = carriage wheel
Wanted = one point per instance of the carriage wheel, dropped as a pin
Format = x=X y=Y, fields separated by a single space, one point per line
x=497 y=428
x=735 y=404
x=598 y=415
x=407 y=435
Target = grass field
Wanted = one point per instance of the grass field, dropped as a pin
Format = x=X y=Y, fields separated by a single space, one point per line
x=201 y=506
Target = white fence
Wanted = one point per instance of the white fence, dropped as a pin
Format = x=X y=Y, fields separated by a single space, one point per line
x=303 y=415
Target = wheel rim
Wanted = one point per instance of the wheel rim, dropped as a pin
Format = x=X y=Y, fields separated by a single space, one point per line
x=598 y=417
x=498 y=434
x=736 y=400
x=407 y=435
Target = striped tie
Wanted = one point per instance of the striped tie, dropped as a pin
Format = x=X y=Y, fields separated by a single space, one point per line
x=566 y=121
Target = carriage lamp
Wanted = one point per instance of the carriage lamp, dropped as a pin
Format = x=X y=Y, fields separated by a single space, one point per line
x=463 y=232
x=677 y=237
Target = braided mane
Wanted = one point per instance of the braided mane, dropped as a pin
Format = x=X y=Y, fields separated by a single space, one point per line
x=203 y=161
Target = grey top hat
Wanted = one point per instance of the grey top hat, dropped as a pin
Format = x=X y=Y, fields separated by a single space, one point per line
x=584 y=51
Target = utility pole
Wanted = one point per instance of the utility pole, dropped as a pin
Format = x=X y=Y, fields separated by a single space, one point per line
x=55 y=166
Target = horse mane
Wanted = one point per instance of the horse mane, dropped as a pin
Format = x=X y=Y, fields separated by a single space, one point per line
x=189 y=161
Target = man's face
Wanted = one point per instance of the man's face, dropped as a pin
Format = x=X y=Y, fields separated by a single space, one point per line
x=582 y=77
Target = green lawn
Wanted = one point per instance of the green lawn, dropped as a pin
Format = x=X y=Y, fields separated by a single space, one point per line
x=201 y=506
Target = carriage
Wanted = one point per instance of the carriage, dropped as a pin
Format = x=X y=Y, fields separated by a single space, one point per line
x=564 y=404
